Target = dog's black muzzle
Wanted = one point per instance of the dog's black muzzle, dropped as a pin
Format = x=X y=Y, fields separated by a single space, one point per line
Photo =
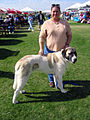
x=74 y=60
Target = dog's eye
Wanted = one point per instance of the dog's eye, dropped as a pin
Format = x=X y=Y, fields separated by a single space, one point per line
x=70 y=53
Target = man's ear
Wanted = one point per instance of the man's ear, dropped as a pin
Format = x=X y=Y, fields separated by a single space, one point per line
x=64 y=53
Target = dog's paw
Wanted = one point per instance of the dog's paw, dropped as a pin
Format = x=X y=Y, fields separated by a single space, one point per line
x=64 y=91
x=15 y=102
x=23 y=91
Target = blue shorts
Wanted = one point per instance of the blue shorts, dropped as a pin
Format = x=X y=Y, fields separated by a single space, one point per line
x=40 y=22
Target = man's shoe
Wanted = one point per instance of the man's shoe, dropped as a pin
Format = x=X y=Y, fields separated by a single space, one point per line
x=51 y=84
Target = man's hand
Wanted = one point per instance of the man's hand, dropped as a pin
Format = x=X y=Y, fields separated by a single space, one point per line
x=41 y=52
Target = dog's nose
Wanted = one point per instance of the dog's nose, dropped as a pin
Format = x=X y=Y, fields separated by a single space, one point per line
x=75 y=60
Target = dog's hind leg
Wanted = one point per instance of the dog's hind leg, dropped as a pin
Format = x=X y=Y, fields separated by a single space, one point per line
x=17 y=91
x=20 y=84
x=15 y=95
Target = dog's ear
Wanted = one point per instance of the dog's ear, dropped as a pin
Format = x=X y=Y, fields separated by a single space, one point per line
x=50 y=60
x=64 y=53
x=75 y=51
x=55 y=58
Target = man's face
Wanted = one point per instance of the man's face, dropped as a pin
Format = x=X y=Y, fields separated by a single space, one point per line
x=55 y=12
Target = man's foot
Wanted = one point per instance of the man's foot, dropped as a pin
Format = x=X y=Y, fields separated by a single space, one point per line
x=51 y=84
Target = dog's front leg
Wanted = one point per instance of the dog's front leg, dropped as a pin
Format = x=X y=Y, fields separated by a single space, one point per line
x=55 y=80
x=60 y=84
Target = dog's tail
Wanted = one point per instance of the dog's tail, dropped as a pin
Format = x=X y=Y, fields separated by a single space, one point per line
x=15 y=77
x=15 y=82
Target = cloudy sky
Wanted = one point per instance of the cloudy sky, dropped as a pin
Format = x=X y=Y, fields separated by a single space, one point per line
x=38 y=4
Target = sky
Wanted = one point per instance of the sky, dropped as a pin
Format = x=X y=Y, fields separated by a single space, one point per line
x=38 y=4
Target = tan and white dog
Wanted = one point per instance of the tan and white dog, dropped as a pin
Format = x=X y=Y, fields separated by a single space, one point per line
x=54 y=63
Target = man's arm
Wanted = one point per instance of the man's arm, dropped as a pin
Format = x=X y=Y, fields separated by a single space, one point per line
x=69 y=37
x=41 y=51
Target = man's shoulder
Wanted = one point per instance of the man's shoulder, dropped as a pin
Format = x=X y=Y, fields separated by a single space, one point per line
x=47 y=21
x=63 y=21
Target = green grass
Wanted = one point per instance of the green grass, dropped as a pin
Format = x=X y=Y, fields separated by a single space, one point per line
x=42 y=102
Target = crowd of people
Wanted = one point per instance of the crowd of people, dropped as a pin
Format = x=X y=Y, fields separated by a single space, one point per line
x=17 y=21
x=80 y=17
x=13 y=21
x=84 y=17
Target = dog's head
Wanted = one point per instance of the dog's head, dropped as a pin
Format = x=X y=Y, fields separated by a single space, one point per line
x=69 y=54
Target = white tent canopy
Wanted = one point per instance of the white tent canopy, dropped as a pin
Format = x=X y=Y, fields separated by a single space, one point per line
x=85 y=4
x=75 y=6
x=46 y=11
x=27 y=9
x=3 y=9
x=78 y=5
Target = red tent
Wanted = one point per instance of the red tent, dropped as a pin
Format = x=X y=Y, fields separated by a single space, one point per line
x=25 y=12
x=1 y=11
x=18 y=12
x=11 y=11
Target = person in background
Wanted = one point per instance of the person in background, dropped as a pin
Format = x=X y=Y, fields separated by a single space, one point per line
x=1 y=19
x=49 y=15
x=11 y=24
x=56 y=34
x=25 y=19
x=6 y=19
x=41 y=19
x=81 y=16
x=30 y=20
x=17 y=21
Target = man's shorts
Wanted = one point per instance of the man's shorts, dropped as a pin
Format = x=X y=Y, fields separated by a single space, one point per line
x=40 y=22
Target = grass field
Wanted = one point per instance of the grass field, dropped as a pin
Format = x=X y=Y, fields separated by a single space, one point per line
x=42 y=102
